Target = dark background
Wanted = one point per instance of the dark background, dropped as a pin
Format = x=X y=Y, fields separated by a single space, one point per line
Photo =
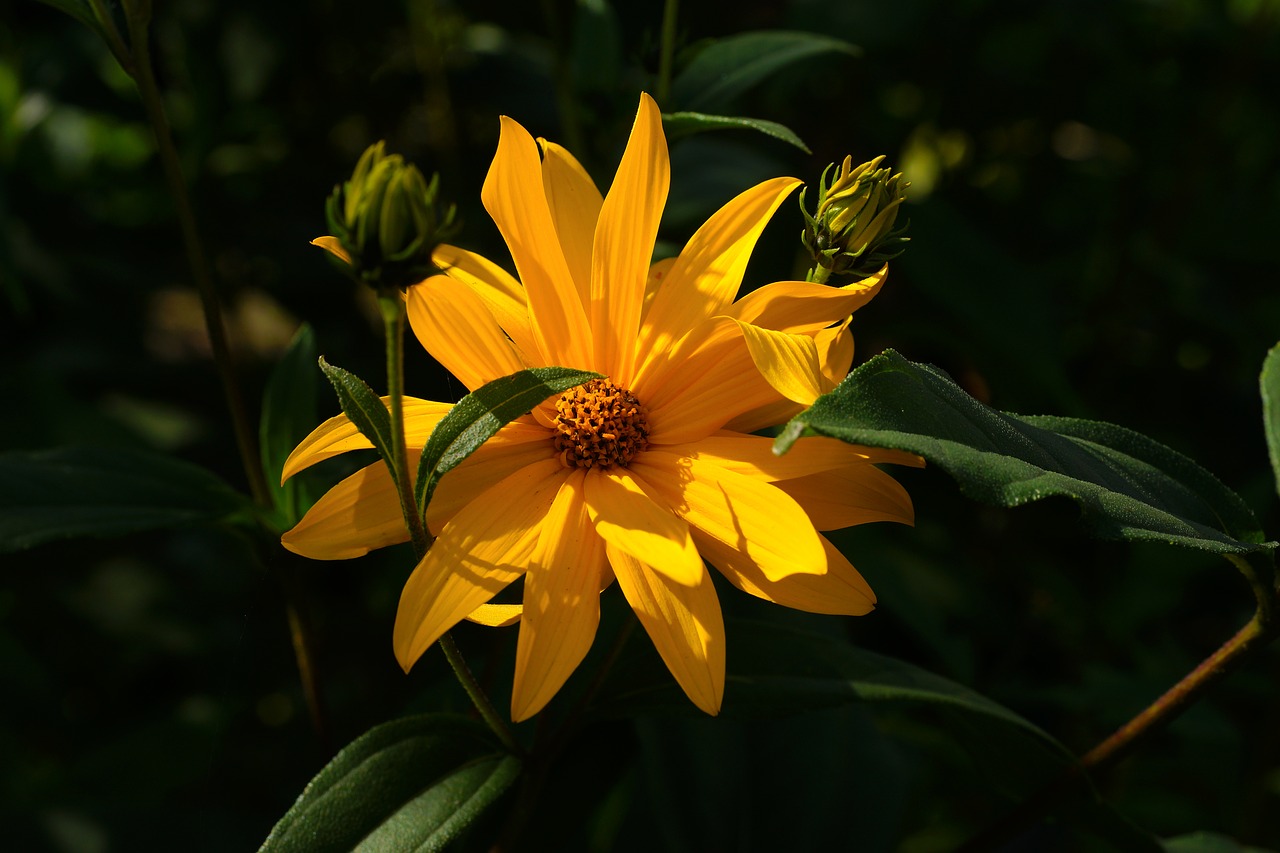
x=1093 y=216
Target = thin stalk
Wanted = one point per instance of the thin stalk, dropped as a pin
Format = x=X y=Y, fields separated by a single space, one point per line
x=112 y=35
x=144 y=77
x=668 y=50
x=393 y=315
x=1156 y=715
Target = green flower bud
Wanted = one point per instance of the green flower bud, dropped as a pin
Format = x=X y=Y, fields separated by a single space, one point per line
x=387 y=220
x=852 y=231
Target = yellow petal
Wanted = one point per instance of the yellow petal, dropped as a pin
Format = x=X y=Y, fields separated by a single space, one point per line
x=628 y=515
x=624 y=241
x=338 y=434
x=684 y=623
x=705 y=278
x=835 y=354
x=753 y=455
x=658 y=272
x=853 y=494
x=517 y=445
x=514 y=197
x=496 y=615
x=483 y=549
x=839 y=590
x=561 y=601
x=788 y=362
x=457 y=328
x=743 y=512
x=575 y=206
x=801 y=306
x=357 y=515
x=333 y=246
x=502 y=294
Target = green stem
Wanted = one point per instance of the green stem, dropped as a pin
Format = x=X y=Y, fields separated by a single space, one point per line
x=818 y=274
x=668 y=50
x=112 y=35
x=1159 y=713
x=144 y=77
x=393 y=315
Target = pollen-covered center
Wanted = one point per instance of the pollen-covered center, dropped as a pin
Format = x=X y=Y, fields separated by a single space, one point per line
x=600 y=425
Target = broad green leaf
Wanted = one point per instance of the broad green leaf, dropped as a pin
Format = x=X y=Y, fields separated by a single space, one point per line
x=412 y=784
x=776 y=671
x=288 y=414
x=730 y=66
x=1127 y=486
x=1270 y=383
x=365 y=408
x=677 y=125
x=95 y=491
x=478 y=416
x=1206 y=842
x=78 y=9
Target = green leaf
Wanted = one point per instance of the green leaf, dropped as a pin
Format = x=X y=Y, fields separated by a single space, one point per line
x=1270 y=384
x=677 y=125
x=78 y=9
x=288 y=414
x=95 y=491
x=365 y=408
x=730 y=66
x=1127 y=486
x=1206 y=842
x=480 y=414
x=776 y=671
x=411 y=784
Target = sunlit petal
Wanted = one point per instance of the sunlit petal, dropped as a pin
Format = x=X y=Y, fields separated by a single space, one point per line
x=788 y=362
x=854 y=494
x=357 y=515
x=484 y=548
x=514 y=196
x=575 y=204
x=516 y=446
x=705 y=278
x=802 y=306
x=742 y=512
x=338 y=435
x=684 y=623
x=458 y=329
x=333 y=246
x=628 y=515
x=624 y=242
x=753 y=455
x=840 y=589
x=561 y=601
x=503 y=295
x=496 y=615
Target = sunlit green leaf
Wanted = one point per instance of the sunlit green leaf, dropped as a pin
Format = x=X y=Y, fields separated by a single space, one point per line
x=365 y=408
x=94 y=491
x=411 y=784
x=478 y=416
x=734 y=64
x=677 y=125
x=288 y=415
x=1270 y=383
x=1128 y=486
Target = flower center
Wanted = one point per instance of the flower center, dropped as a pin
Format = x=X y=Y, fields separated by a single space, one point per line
x=600 y=425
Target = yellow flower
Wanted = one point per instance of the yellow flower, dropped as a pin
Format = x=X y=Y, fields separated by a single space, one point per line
x=637 y=477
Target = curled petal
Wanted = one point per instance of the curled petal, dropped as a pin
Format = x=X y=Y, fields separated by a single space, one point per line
x=850 y=495
x=838 y=590
x=357 y=515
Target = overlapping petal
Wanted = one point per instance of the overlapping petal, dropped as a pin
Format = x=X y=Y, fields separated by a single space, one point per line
x=684 y=622
x=624 y=239
x=853 y=494
x=514 y=196
x=628 y=515
x=561 y=600
x=575 y=205
x=338 y=435
x=457 y=328
x=503 y=295
x=838 y=590
x=357 y=515
x=484 y=548
x=742 y=512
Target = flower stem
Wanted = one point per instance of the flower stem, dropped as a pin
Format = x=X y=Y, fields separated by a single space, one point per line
x=1257 y=633
x=668 y=50
x=144 y=78
x=393 y=315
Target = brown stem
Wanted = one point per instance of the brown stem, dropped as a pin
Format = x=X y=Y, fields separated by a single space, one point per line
x=1159 y=713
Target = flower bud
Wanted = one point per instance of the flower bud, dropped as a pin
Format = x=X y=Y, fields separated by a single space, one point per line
x=852 y=230
x=387 y=220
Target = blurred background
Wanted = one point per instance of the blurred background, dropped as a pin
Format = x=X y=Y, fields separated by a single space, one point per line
x=1094 y=204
